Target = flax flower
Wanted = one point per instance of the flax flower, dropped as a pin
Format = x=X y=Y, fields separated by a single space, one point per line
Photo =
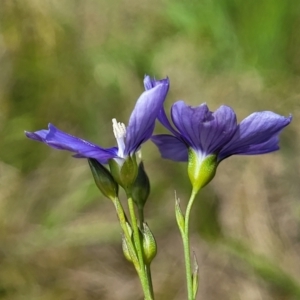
x=129 y=140
x=199 y=134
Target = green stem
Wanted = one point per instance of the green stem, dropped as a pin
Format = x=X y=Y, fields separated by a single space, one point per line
x=123 y=220
x=147 y=266
x=141 y=216
x=186 y=247
x=139 y=249
x=149 y=276
x=136 y=262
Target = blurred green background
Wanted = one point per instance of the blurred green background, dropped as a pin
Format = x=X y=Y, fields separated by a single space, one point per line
x=80 y=63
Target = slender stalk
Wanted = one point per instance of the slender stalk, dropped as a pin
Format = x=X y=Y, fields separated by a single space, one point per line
x=147 y=266
x=122 y=218
x=141 y=216
x=186 y=247
x=139 y=268
x=139 y=248
x=149 y=276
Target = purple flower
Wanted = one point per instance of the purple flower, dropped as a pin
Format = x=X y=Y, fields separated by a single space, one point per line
x=217 y=133
x=140 y=128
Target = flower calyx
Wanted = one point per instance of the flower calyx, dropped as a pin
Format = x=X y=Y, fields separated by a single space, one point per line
x=201 y=170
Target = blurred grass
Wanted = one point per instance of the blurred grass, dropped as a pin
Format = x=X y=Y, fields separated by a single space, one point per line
x=78 y=64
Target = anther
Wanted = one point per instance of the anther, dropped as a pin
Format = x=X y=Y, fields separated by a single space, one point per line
x=119 y=129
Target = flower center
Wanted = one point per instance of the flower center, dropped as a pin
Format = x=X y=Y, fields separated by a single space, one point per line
x=119 y=130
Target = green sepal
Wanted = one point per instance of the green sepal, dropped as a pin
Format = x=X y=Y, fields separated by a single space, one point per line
x=125 y=173
x=141 y=187
x=103 y=179
x=179 y=215
x=201 y=170
x=115 y=170
x=149 y=244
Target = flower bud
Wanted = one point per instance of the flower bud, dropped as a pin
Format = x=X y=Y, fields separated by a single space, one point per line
x=201 y=170
x=149 y=244
x=124 y=173
x=125 y=249
x=129 y=252
x=103 y=179
x=141 y=187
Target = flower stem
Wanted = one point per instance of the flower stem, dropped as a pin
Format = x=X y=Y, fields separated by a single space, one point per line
x=138 y=246
x=149 y=276
x=135 y=260
x=141 y=216
x=186 y=247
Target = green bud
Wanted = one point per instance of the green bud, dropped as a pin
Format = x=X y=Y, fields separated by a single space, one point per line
x=126 y=173
x=129 y=228
x=179 y=215
x=103 y=179
x=128 y=251
x=149 y=244
x=201 y=171
x=141 y=187
x=125 y=249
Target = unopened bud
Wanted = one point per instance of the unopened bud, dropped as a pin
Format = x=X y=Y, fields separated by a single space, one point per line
x=103 y=179
x=149 y=244
x=141 y=187
x=126 y=249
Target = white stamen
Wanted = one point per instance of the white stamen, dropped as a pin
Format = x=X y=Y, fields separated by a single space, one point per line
x=119 y=130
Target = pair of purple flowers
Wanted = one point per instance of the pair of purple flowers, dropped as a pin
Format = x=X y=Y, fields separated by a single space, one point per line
x=195 y=129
